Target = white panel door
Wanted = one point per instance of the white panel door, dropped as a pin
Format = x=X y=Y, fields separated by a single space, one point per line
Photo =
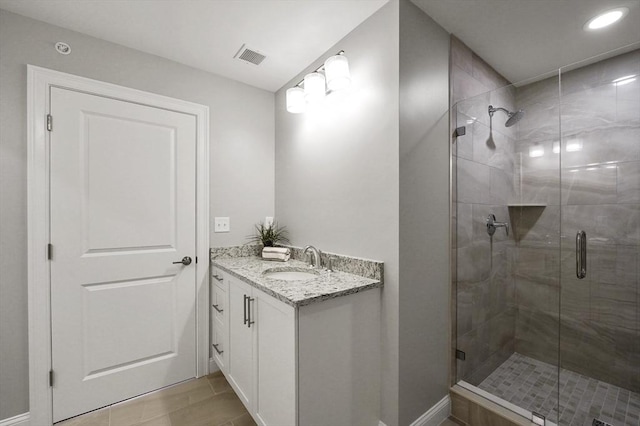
x=122 y=211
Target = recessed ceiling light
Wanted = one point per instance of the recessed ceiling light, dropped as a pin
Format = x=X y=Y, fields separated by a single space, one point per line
x=606 y=18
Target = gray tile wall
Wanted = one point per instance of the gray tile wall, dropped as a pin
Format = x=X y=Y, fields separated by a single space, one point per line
x=597 y=185
x=484 y=182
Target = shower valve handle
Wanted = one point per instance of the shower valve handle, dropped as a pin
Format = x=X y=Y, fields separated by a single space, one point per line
x=492 y=225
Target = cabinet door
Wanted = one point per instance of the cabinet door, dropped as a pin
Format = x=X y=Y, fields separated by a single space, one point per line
x=275 y=403
x=240 y=367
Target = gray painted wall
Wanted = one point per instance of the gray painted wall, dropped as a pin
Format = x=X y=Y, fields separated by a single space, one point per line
x=337 y=172
x=424 y=213
x=369 y=177
x=242 y=157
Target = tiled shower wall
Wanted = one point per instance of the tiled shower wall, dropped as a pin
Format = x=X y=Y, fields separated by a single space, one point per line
x=598 y=188
x=484 y=167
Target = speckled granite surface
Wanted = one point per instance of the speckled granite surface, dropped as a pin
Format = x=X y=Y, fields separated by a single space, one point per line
x=235 y=251
x=325 y=285
x=352 y=265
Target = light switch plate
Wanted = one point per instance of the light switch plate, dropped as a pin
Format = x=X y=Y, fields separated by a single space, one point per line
x=221 y=224
x=268 y=221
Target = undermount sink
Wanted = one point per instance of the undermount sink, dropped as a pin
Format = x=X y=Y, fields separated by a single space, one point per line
x=290 y=274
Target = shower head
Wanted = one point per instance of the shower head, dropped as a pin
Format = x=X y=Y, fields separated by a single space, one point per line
x=514 y=117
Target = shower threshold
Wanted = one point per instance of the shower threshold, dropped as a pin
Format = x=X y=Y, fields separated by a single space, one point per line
x=502 y=402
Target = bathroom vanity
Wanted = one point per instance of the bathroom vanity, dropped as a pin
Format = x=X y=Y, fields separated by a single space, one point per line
x=300 y=348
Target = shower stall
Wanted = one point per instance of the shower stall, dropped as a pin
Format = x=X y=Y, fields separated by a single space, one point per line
x=546 y=235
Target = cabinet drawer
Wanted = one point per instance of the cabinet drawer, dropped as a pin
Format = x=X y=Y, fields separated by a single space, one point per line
x=218 y=304
x=219 y=345
x=217 y=276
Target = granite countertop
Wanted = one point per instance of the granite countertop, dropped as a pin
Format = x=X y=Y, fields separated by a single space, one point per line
x=326 y=285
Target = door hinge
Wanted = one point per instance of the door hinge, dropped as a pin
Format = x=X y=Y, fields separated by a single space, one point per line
x=49 y=122
x=50 y=378
x=460 y=355
x=49 y=251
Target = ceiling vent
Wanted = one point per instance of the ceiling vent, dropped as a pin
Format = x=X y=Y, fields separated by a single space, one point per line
x=249 y=55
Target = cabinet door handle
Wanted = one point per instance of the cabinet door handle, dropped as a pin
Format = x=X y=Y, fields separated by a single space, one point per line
x=244 y=305
x=215 y=346
x=249 y=322
x=218 y=278
x=218 y=309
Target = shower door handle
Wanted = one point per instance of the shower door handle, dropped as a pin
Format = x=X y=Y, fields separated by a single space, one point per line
x=581 y=254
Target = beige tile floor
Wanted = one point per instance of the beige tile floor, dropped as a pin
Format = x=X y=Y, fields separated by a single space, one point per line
x=207 y=401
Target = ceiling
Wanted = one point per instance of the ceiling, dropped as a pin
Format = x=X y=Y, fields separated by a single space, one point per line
x=523 y=39
x=207 y=34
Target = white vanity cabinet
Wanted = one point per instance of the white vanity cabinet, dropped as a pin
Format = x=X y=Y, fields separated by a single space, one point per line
x=261 y=363
x=315 y=364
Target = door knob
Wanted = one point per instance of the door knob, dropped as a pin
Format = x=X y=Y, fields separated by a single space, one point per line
x=185 y=261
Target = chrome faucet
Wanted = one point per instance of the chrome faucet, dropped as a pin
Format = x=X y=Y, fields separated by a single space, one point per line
x=315 y=261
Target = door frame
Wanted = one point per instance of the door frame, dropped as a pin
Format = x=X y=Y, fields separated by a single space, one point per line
x=39 y=82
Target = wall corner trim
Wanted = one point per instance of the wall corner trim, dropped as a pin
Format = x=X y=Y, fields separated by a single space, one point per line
x=436 y=414
x=19 y=420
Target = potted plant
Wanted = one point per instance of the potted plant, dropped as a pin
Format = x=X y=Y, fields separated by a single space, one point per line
x=269 y=235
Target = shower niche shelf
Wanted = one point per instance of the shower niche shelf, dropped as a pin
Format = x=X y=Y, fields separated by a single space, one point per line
x=523 y=217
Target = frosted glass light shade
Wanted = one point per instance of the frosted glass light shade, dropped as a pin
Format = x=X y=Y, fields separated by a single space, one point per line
x=337 y=70
x=314 y=87
x=295 y=100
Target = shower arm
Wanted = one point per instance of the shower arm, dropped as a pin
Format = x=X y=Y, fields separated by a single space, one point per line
x=492 y=110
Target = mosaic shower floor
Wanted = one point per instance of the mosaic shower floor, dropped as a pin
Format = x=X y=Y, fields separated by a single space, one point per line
x=533 y=385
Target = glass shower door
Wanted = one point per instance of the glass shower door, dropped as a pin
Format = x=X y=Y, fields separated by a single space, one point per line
x=600 y=196
x=507 y=246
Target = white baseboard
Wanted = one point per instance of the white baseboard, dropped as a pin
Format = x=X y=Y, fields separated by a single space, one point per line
x=436 y=414
x=380 y=423
x=19 y=420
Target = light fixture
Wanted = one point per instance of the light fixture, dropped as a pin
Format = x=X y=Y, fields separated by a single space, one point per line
x=336 y=69
x=295 y=100
x=625 y=80
x=332 y=77
x=605 y=19
x=314 y=87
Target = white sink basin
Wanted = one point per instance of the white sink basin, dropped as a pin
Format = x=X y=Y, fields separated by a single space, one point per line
x=290 y=275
